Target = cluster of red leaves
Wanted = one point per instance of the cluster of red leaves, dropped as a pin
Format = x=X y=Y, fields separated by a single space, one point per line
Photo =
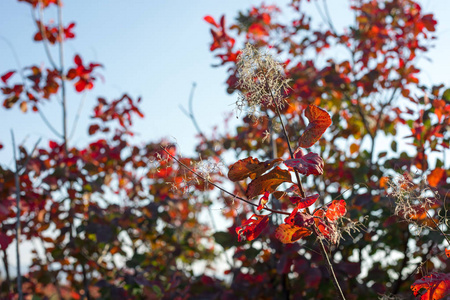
x=120 y=110
x=51 y=33
x=83 y=75
x=43 y=3
x=267 y=176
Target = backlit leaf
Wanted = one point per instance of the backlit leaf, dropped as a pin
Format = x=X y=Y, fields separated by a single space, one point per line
x=250 y=167
x=290 y=233
x=268 y=182
x=319 y=121
x=252 y=228
x=304 y=202
x=263 y=201
x=435 y=177
x=436 y=285
x=335 y=210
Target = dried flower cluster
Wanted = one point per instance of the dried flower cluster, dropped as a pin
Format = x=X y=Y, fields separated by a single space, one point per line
x=412 y=201
x=261 y=81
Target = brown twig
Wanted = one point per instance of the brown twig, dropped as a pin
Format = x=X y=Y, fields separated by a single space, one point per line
x=217 y=186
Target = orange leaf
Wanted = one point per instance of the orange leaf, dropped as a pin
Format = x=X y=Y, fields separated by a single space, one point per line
x=268 y=182
x=383 y=181
x=435 y=177
x=319 y=121
x=211 y=21
x=436 y=285
x=447 y=252
x=250 y=167
x=335 y=210
x=252 y=228
x=290 y=233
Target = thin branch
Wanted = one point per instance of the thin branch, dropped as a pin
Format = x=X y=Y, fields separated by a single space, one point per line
x=18 y=212
x=329 y=266
x=297 y=176
x=41 y=29
x=77 y=116
x=219 y=187
x=49 y=125
x=61 y=73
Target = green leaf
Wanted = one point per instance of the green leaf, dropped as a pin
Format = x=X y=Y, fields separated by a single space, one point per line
x=446 y=95
x=394 y=146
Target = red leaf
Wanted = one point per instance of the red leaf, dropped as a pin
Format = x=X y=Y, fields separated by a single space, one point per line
x=52 y=144
x=436 y=285
x=6 y=76
x=257 y=30
x=304 y=202
x=308 y=164
x=211 y=21
x=93 y=129
x=319 y=121
x=299 y=219
x=290 y=233
x=77 y=60
x=5 y=240
x=268 y=182
x=263 y=201
x=250 y=167
x=335 y=210
x=447 y=252
x=252 y=228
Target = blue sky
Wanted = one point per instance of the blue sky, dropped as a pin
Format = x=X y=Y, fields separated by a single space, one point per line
x=153 y=49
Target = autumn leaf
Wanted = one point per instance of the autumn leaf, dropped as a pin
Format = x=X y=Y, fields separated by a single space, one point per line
x=299 y=219
x=447 y=252
x=304 y=202
x=268 y=182
x=335 y=210
x=250 y=167
x=211 y=21
x=290 y=233
x=319 y=121
x=252 y=228
x=263 y=201
x=6 y=76
x=309 y=164
x=435 y=177
x=436 y=285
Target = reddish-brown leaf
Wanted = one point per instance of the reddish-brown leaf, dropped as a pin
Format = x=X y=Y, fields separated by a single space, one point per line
x=267 y=182
x=304 y=202
x=335 y=210
x=252 y=228
x=290 y=233
x=308 y=164
x=436 y=285
x=319 y=121
x=250 y=167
